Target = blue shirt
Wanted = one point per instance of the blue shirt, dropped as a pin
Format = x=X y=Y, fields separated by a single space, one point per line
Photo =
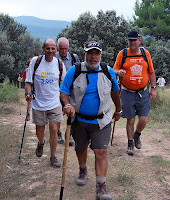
x=67 y=60
x=90 y=102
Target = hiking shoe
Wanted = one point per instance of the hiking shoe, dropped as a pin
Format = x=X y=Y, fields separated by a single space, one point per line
x=130 y=149
x=60 y=139
x=54 y=162
x=137 y=140
x=71 y=142
x=39 y=149
x=101 y=192
x=83 y=177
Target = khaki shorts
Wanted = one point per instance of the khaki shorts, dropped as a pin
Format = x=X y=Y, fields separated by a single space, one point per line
x=41 y=118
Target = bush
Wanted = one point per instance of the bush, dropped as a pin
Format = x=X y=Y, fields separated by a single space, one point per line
x=8 y=92
x=160 y=110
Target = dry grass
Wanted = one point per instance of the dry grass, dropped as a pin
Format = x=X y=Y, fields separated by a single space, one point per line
x=146 y=175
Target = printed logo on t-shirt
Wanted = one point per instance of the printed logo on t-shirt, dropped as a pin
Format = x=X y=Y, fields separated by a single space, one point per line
x=136 y=70
x=43 y=74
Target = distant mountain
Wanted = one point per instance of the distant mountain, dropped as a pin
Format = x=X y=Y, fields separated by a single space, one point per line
x=42 y=28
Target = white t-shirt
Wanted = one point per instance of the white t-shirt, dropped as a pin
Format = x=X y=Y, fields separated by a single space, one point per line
x=46 y=83
x=161 y=82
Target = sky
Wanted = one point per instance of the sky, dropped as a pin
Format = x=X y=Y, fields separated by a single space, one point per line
x=67 y=10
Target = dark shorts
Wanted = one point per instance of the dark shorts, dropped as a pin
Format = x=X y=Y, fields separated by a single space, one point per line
x=133 y=104
x=85 y=134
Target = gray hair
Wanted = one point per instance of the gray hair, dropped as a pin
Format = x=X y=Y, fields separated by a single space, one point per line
x=62 y=39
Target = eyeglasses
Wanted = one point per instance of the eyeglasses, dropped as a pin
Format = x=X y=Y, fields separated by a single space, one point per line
x=52 y=48
x=93 y=53
x=132 y=40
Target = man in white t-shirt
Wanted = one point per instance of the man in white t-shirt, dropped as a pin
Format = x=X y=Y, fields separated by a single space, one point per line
x=161 y=81
x=46 y=106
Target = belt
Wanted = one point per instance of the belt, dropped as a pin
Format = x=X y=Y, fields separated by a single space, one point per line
x=135 y=91
x=90 y=117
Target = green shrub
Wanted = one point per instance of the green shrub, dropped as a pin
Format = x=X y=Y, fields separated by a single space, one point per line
x=160 y=109
x=8 y=92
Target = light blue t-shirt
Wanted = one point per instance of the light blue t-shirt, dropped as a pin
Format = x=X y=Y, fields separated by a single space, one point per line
x=67 y=61
x=90 y=102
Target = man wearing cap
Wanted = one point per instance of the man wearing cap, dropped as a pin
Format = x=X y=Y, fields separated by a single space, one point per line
x=93 y=116
x=135 y=97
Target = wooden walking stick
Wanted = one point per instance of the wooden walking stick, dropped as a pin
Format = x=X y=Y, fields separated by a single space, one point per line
x=65 y=156
x=20 y=93
x=113 y=130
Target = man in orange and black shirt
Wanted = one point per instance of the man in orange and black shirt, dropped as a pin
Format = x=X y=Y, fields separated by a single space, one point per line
x=135 y=97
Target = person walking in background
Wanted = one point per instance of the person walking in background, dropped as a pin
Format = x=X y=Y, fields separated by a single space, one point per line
x=46 y=106
x=135 y=98
x=86 y=97
x=22 y=79
x=161 y=81
x=68 y=59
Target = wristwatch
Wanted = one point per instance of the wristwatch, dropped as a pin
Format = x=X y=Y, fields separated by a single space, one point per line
x=119 y=113
x=154 y=87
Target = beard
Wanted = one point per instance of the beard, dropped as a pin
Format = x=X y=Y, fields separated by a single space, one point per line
x=92 y=67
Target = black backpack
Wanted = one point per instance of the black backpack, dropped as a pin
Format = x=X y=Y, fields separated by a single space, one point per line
x=78 y=72
x=125 y=56
x=37 y=63
x=73 y=58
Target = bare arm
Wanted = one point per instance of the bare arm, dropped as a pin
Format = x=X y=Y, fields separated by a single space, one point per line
x=67 y=107
x=120 y=72
x=116 y=100
x=152 y=79
x=28 y=90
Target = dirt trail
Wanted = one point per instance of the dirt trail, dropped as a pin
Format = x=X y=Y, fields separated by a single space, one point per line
x=129 y=178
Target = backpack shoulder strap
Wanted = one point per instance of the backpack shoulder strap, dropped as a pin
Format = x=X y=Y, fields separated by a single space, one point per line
x=37 y=63
x=144 y=54
x=77 y=70
x=105 y=70
x=124 y=57
x=73 y=58
x=60 y=67
x=77 y=73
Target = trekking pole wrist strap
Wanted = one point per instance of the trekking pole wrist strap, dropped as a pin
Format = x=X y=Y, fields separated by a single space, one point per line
x=67 y=105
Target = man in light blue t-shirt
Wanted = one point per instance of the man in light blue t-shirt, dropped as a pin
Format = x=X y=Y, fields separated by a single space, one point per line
x=68 y=59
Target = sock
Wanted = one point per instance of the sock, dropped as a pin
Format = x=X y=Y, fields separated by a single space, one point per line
x=130 y=142
x=100 y=179
x=83 y=166
x=43 y=142
x=137 y=133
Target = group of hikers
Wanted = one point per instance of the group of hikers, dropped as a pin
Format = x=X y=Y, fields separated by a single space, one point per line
x=57 y=83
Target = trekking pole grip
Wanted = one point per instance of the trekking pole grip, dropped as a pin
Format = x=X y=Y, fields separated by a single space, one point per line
x=69 y=120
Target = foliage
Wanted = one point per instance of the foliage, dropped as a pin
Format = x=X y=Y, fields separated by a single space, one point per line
x=160 y=110
x=153 y=16
x=17 y=46
x=8 y=91
x=106 y=28
x=160 y=53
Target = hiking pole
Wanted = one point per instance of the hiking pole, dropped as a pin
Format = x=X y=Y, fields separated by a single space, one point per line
x=65 y=156
x=113 y=130
x=20 y=94
x=23 y=134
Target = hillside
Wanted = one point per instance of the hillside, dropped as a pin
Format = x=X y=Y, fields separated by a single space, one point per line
x=42 y=28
